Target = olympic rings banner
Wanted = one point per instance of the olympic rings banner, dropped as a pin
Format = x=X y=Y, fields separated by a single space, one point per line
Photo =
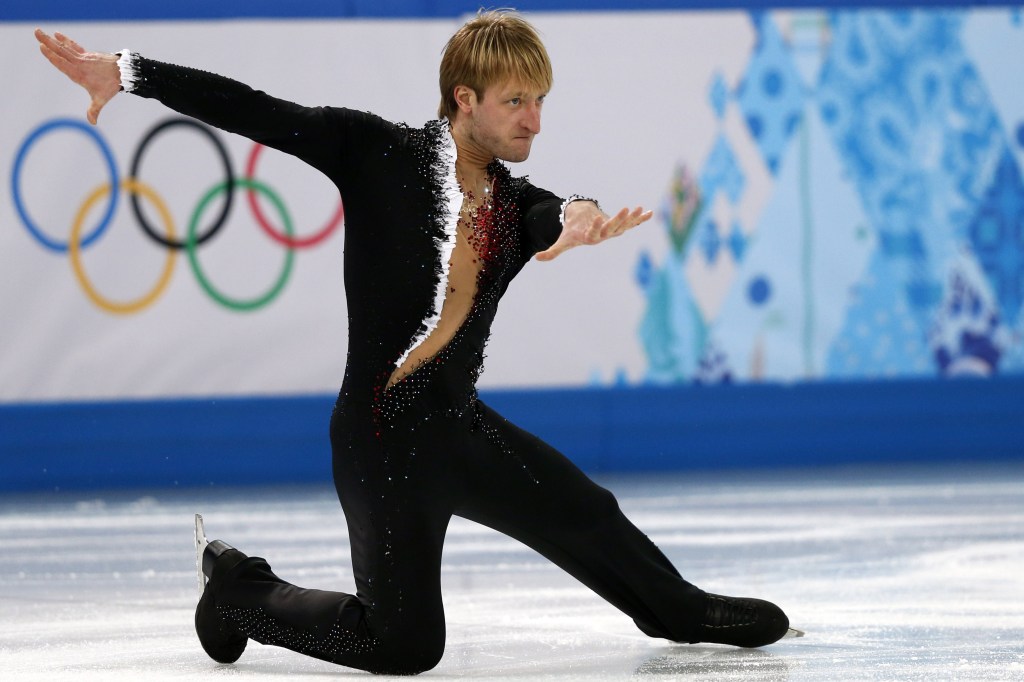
x=134 y=188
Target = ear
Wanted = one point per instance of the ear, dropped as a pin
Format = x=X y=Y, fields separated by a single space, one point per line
x=465 y=97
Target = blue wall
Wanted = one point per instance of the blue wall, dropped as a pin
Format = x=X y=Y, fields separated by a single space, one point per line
x=124 y=10
x=238 y=441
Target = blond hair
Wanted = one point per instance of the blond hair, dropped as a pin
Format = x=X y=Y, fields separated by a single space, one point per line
x=495 y=45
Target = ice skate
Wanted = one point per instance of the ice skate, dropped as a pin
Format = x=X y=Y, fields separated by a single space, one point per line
x=221 y=640
x=207 y=553
x=743 y=622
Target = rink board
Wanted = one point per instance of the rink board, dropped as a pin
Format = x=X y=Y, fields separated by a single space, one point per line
x=234 y=441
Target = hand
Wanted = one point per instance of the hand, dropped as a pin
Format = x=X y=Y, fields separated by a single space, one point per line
x=585 y=223
x=96 y=72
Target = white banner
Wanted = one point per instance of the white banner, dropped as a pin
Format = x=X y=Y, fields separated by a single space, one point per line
x=838 y=197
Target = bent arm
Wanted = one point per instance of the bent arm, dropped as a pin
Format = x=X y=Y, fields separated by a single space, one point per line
x=553 y=225
x=585 y=224
x=541 y=217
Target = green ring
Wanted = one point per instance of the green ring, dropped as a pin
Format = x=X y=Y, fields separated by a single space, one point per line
x=193 y=259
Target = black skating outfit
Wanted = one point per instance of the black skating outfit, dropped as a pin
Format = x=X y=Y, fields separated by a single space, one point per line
x=408 y=457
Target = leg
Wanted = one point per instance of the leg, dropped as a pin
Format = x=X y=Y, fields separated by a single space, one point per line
x=521 y=486
x=395 y=622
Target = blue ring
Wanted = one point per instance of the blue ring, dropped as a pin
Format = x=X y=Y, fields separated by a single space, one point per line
x=62 y=247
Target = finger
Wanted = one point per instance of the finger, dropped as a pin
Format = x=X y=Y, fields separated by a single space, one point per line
x=631 y=220
x=63 y=65
x=634 y=218
x=57 y=60
x=69 y=42
x=614 y=225
x=550 y=254
x=595 y=232
x=93 y=114
x=57 y=43
x=56 y=49
x=46 y=40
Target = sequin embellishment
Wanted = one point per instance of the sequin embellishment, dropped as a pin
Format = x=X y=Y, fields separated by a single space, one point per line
x=495 y=243
x=257 y=625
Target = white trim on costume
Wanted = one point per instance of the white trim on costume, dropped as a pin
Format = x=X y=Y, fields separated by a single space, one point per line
x=126 y=62
x=444 y=175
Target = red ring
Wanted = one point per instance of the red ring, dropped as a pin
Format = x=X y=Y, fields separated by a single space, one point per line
x=290 y=242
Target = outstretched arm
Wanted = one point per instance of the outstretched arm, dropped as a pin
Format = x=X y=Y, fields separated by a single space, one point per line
x=585 y=224
x=98 y=73
x=324 y=137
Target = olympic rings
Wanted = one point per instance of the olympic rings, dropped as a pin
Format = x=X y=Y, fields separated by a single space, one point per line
x=19 y=159
x=228 y=173
x=191 y=242
x=133 y=187
x=287 y=240
x=194 y=237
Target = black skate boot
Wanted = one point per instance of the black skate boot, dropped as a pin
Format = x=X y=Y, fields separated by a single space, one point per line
x=221 y=640
x=741 y=622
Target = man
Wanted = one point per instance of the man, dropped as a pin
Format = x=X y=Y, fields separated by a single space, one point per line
x=436 y=228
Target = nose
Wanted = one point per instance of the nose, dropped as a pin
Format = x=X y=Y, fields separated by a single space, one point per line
x=532 y=119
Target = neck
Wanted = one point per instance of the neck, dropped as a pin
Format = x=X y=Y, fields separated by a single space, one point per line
x=472 y=160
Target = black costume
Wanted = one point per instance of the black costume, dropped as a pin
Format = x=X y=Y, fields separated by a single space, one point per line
x=409 y=456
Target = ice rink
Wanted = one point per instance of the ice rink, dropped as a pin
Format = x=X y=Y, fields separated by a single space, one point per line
x=911 y=573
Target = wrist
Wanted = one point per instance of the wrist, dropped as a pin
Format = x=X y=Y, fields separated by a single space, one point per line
x=127 y=64
x=572 y=200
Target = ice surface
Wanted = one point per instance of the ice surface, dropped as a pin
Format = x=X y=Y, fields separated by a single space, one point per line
x=895 y=574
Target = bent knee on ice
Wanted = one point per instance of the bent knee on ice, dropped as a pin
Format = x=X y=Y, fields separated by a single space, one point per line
x=408 y=656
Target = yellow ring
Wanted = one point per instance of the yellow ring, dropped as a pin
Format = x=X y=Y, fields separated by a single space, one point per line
x=132 y=186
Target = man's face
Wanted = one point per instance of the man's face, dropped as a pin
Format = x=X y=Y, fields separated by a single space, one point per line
x=505 y=121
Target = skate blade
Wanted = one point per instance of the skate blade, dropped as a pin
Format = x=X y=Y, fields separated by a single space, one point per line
x=201 y=543
x=793 y=632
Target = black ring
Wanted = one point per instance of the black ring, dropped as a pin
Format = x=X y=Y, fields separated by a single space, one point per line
x=228 y=195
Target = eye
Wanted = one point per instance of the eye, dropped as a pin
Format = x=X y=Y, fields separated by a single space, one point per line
x=515 y=101
x=540 y=100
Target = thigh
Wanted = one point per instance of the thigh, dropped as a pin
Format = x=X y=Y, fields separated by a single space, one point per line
x=389 y=492
x=520 y=485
